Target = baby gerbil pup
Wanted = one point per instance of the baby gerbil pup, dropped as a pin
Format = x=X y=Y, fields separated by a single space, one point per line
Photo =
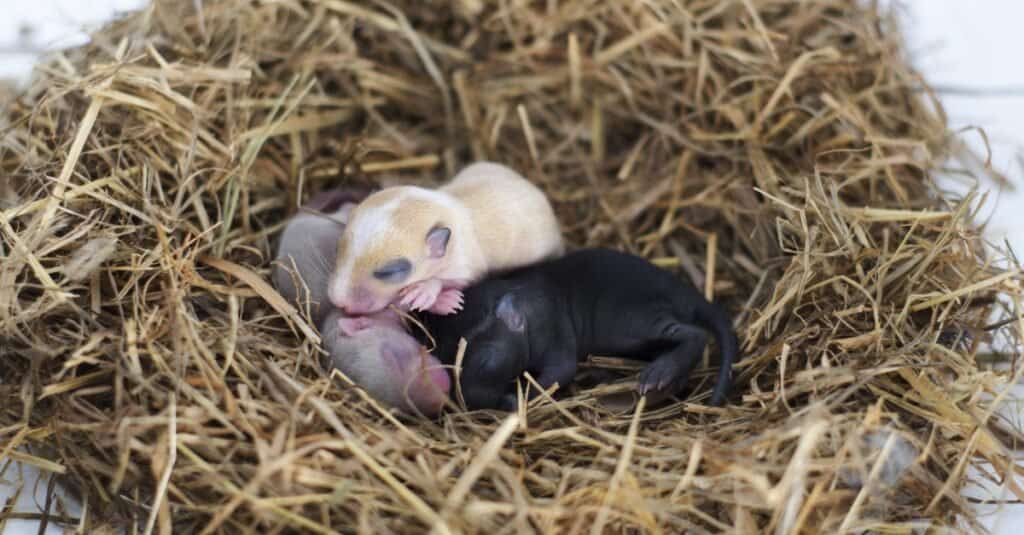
x=546 y=317
x=420 y=247
x=382 y=357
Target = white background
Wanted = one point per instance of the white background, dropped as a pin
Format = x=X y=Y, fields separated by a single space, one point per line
x=972 y=45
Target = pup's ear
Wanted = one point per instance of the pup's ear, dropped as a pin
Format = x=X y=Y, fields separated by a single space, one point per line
x=509 y=313
x=437 y=241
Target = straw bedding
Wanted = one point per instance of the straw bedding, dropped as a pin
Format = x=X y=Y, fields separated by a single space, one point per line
x=779 y=154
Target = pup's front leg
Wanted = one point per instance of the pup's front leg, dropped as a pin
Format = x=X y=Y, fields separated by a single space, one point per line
x=558 y=367
x=449 y=301
x=420 y=295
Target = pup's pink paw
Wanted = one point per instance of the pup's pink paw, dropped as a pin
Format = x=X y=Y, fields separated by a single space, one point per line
x=350 y=325
x=449 y=301
x=420 y=295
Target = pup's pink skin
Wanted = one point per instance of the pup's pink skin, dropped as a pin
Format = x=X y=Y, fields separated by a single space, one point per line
x=350 y=325
x=388 y=362
x=360 y=301
x=434 y=295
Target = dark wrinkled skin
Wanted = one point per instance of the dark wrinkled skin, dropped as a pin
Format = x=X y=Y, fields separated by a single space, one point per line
x=545 y=318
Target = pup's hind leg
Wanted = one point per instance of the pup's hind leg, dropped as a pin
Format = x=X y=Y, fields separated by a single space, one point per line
x=558 y=368
x=672 y=368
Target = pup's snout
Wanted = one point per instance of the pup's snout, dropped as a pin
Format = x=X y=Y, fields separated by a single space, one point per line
x=360 y=301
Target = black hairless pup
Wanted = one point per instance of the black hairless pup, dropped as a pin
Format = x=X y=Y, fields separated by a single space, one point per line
x=546 y=317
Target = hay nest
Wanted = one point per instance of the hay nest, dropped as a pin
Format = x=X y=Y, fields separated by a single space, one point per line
x=778 y=153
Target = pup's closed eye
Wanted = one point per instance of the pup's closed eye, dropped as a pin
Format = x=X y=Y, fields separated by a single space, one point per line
x=394 y=271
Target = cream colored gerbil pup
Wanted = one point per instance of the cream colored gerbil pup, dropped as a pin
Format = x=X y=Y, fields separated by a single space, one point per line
x=420 y=247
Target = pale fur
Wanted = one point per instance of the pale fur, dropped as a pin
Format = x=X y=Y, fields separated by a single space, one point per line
x=498 y=220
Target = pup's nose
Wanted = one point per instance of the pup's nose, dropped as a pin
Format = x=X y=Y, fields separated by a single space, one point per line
x=359 y=301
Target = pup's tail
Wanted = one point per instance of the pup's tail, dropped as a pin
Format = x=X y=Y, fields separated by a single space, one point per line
x=716 y=320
